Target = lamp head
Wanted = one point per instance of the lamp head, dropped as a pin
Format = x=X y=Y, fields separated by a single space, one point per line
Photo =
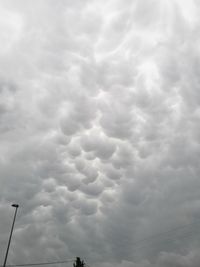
x=15 y=205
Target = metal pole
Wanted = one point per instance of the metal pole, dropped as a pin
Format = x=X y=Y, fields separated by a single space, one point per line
x=16 y=207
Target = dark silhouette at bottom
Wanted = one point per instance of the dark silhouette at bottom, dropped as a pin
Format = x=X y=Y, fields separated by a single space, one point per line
x=79 y=263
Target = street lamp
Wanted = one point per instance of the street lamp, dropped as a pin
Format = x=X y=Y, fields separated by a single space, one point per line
x=16 y=207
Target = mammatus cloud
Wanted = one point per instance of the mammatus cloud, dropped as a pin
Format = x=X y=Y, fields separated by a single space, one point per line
x=99 y=131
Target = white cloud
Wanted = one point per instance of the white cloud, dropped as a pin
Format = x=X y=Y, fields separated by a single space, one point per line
x=99 y=131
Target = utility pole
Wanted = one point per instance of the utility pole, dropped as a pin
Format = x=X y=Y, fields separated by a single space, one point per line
x=79 y=263
x=16 y=207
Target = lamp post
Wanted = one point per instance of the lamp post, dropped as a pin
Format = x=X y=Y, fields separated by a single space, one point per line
x=16 y=207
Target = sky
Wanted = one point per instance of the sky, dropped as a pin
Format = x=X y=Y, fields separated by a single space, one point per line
x=100 y=131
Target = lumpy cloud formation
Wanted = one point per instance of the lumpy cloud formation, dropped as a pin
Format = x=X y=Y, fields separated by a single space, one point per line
x=99 y=131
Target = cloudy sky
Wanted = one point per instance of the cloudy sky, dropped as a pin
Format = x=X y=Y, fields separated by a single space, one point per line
x=100 y=131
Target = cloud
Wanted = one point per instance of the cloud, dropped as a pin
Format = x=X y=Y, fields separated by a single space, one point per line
x=99 y=131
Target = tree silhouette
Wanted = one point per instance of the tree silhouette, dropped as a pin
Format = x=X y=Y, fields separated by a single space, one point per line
x=79 y=263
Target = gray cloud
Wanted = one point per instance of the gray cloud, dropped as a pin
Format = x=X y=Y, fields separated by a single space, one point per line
x=99 y=131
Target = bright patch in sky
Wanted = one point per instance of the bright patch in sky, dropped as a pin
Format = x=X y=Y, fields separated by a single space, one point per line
x=10 y=29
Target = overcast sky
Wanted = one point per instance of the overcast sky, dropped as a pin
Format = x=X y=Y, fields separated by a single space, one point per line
x=100 y=131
